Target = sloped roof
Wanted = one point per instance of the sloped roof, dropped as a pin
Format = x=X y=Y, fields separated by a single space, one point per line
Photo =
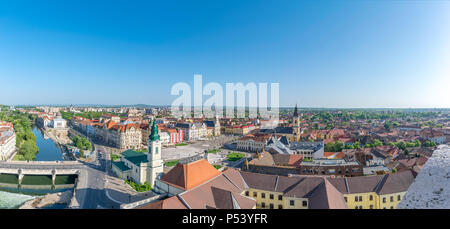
x=219 y=192
x=223 y=199
x=266 y=159
x=303 y=188
x=135 y=157
x=190 y=175
x=287 y=159
x=120 y=165
x=260 y=181
x=169 y=203
x=326 y=196
x=363 y=184
x=396 y=182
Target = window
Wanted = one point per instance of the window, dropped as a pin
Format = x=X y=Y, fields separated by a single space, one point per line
x=305 y=203
x=280 y=197
x=345 y=198
x=392 y=199
x=246 y=193
x=271 y=206
x=384 y=199
x=371 y=206
x=360 y=198
x=271 y=196
x=280 y=206
x=255 y=194
x=399 y=198
x=263 y=205
x=356 y=199
x=360 y=207
x=392 y=207
x=263 y=195
x=291 y=203
x=156 y=151
x=370 y=197
x=356 y=207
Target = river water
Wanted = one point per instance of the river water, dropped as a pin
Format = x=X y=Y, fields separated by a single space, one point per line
x=10 y=200
x=48 y=151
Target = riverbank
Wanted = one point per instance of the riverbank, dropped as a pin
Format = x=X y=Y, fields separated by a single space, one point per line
x=60 y=198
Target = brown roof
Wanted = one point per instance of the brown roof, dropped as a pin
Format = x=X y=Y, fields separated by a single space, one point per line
x=219 y=192
x=260 y=181
x=265 y=159
x=326 y=196
x=363 y=183
x=396 y=182
x=190 y=175
x=223 y=199
x=169 y=203
x=304 y=188
x=340 y=184
x=235 y=177
x=287 y=159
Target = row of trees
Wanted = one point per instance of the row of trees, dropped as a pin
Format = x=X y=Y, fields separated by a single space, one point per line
x=25 y=138
x=339 y=146
x=87 y=115
x=367 y=115
x=82 y=143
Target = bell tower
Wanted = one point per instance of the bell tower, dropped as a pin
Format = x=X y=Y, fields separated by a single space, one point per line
x=296 y=124
x=155 y=163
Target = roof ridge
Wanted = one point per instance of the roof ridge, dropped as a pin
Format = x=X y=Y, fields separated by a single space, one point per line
x=183 y=201
x=245 y=183
x=235 y=202
x=381 y=183
x=346 y=185
x=294 y=185
x=230 y=180
x=276 y=182
x=316 y=188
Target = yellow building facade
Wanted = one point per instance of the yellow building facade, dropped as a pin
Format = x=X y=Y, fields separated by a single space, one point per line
x=275 y=200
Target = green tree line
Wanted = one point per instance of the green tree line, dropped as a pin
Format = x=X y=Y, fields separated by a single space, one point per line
x=25 y=139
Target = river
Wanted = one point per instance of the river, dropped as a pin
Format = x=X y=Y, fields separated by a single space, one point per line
x=48 y=151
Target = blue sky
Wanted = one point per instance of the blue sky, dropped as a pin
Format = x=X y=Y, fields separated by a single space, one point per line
x=323 y=53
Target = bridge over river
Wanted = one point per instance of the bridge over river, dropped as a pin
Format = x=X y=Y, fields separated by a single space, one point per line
x=50 y=168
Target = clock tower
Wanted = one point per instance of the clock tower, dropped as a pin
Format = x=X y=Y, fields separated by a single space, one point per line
x=155 y=163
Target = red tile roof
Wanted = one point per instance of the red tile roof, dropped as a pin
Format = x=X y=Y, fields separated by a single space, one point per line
x=190 y=175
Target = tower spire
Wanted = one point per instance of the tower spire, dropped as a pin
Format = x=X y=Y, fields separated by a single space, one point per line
x=296 y=111
x=154 y=134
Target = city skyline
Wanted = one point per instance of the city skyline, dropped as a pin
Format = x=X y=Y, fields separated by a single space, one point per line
x=344 y=54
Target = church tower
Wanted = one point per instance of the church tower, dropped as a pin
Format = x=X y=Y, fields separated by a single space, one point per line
x=216 y=126
x=155 y=163
x=296 y=124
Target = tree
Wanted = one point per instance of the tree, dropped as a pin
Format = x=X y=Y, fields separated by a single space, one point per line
x=387 y=126
x=429 y=144
x=81 y=155
x=28 y=149
x=401 y=145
